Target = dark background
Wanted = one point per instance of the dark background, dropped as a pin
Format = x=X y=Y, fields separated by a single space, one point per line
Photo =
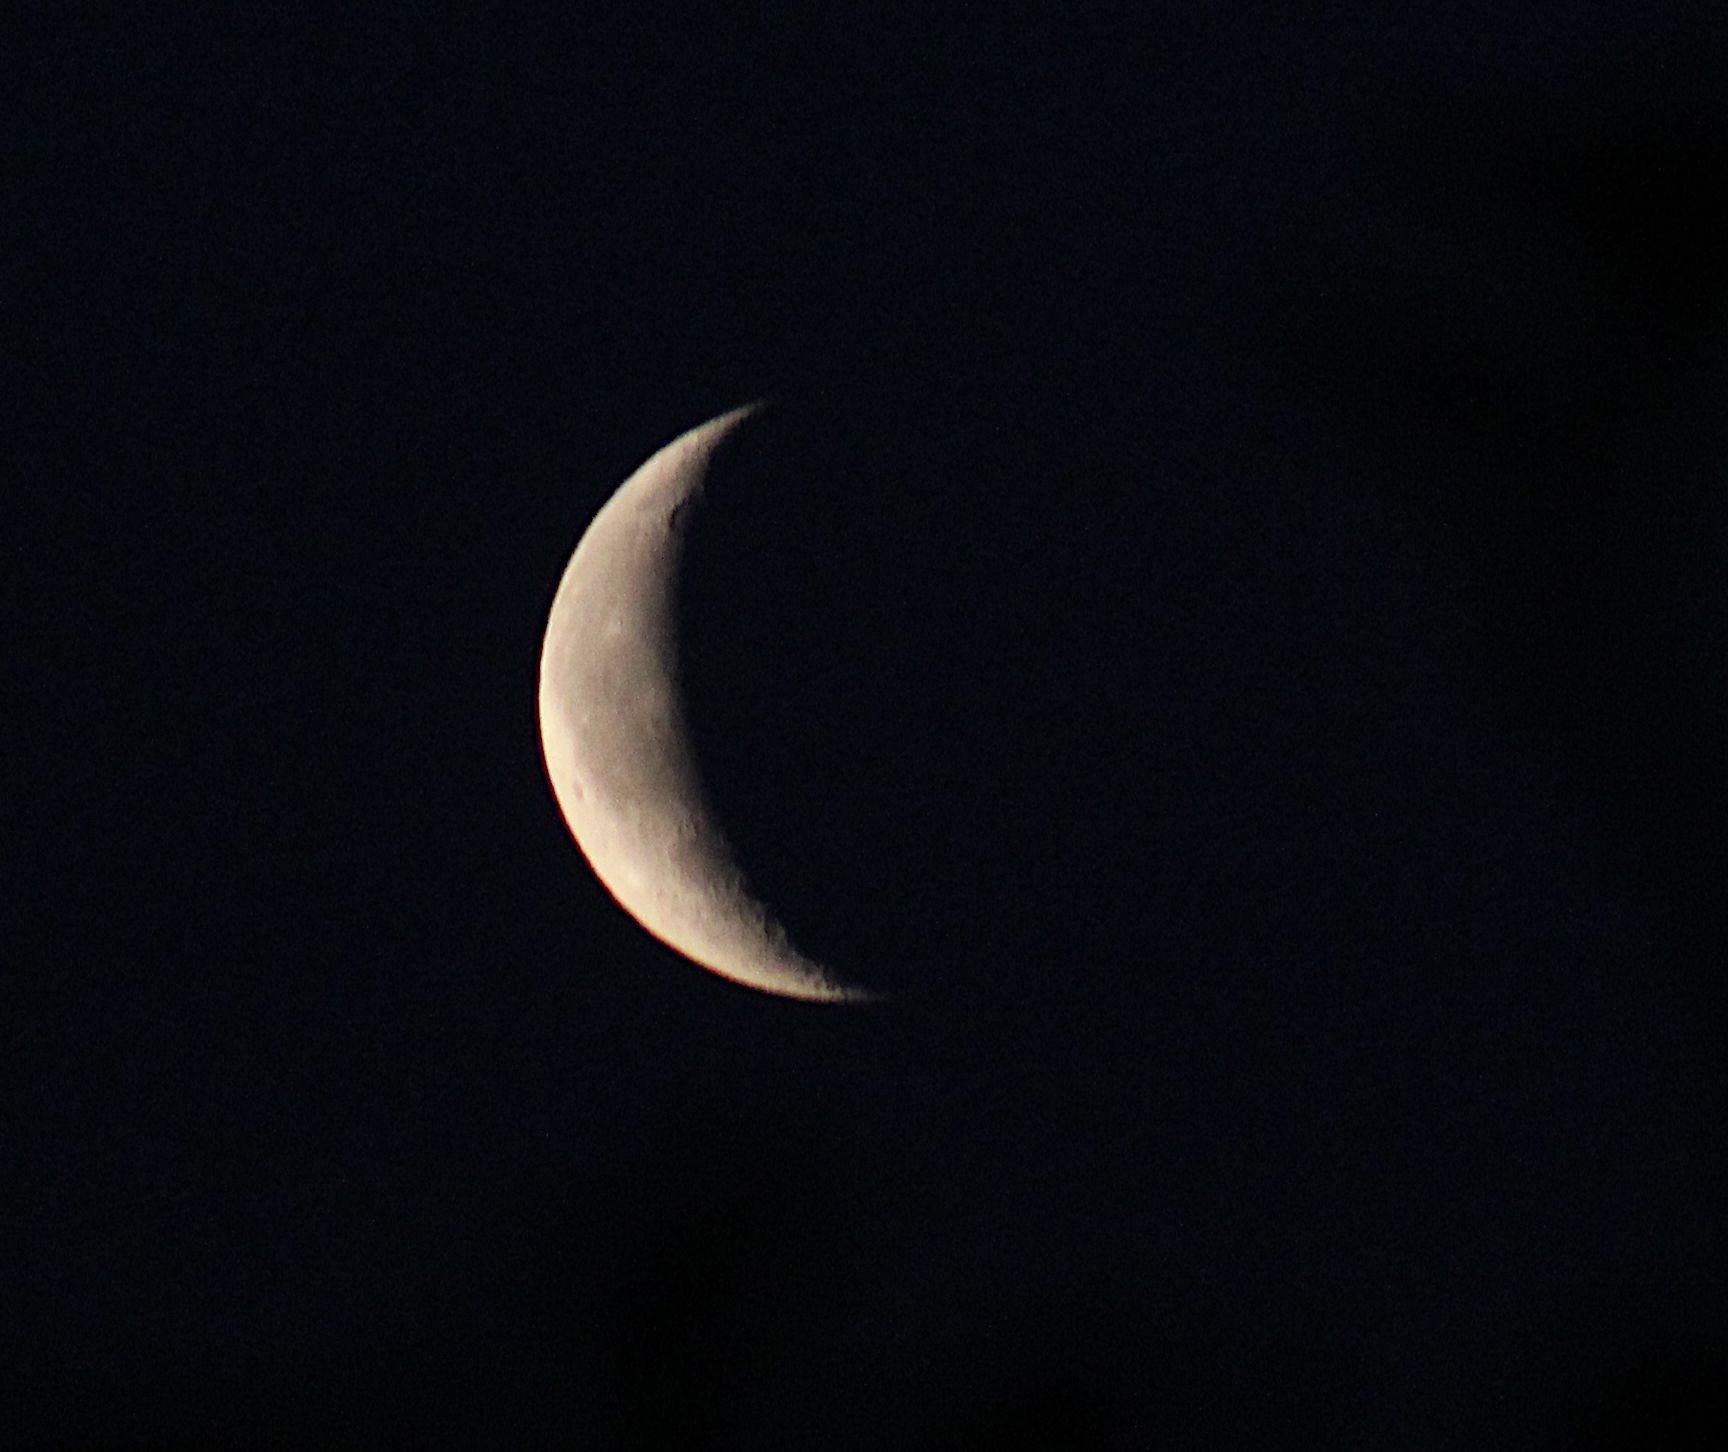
x=1227 y=614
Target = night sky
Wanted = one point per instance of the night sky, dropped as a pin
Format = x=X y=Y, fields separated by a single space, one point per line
x=1225 y=616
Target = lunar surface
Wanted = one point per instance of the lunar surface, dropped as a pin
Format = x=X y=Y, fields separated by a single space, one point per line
x=616 y=742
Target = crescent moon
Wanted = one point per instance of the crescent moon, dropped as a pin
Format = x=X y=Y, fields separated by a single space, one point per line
x=616 y=743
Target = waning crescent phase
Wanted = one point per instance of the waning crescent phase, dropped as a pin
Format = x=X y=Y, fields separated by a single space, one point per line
x=616 y=743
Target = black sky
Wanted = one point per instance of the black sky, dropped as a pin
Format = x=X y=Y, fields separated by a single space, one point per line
x=1226 y=613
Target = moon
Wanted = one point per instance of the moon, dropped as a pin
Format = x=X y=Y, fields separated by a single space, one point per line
x=616 y=742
